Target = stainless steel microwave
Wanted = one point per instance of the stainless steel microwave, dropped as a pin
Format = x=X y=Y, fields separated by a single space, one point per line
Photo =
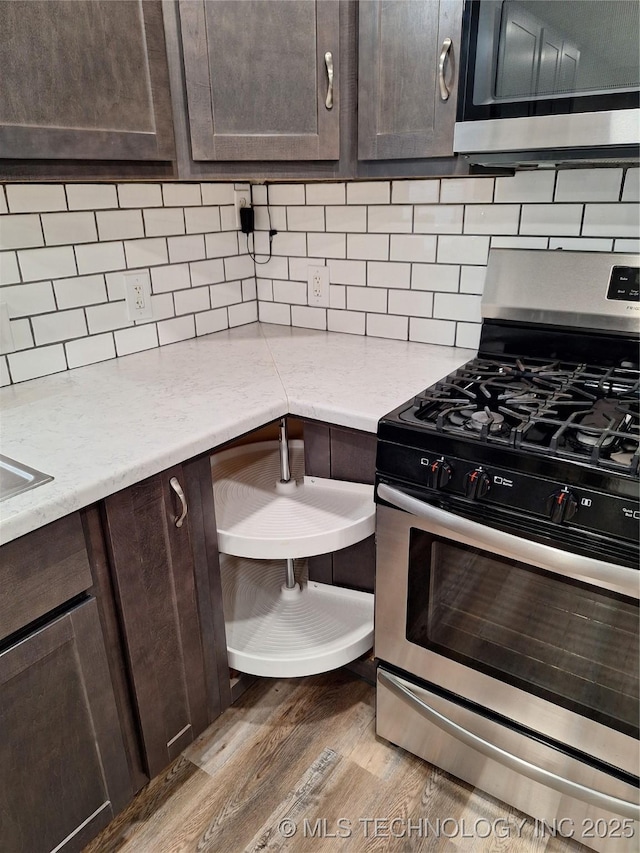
x=551 y=82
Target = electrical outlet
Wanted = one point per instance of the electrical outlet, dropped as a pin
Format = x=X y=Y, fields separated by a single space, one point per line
x=241 y=198
x=137 y=290
x=318 y=292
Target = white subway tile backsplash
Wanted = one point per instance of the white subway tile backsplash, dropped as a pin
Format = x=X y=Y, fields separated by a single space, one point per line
x=90 y=350
x=182 y=195
x=238 y=266
x=387 y=326
x=631 y=246
x=414 y=247
x=63 y=229
x=631 y=189
x=468 y=335
x=309 y=318
x=274 y=312
x=91 y=196
x=366 y=247
x=346 y=218
x=3 y=202
x=347 y=272
x=275 y=268
x=466 y=190
x=220 y=245
x=5 y=376
x=551 y=219
x=432 y=331
x=368 y=192
x=456 y=306
x=77 y=292
x=588 y=185
x=526 y=186
x=190 y=248
x=367 y=299
x=221 y=193
x=327 y=245
x=462 y=250
x=390 y=219
x=350 y=322
x=212 y=321
x=163 y=221
x=25 y=300
x=206 y=272
x=284 y=243
x=438 y=219
x=119 y=224
x=162 y=307
x=491 y=219
x=519 y=242
x=139 y=195
x=35 y=198
x=227 y=218
x=59 y=326
x=98 y=257
x=146 y=253
x=136 y=339
x=225 y=293
x=171 y=277
x=177 y=329
x=264 y=288
x=9 y=271
x=292 y=292
x=440 y=277
x=611 y=220
x=307 y=218
x=41 y=361
x=415 y=192
x=286 y=194
x=106 y=318
x=388 y=274
x=270 y=217
x=21 y=334
x=582 y=244
x=472 y=279
x=240 y=315
x=201 y=219
x=39 y=264
x=299 y=269
x=20 y=232
x=249 y=289
x=192 y=300
x=326 y=194
x=337 y=296
x=413 y=303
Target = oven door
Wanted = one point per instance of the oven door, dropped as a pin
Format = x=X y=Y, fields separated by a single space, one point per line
x=548 y=75
x=542 y=637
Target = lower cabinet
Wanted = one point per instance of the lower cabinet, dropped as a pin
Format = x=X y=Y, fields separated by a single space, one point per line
x=63 y=770
x=161 y=543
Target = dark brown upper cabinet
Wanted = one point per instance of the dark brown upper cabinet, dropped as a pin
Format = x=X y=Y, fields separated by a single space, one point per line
x=262 y=79
x=86 y=80
x=403 y=113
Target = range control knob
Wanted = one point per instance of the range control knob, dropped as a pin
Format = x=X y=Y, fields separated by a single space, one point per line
x=477 y=484
x=439 y=474
x=562 y=505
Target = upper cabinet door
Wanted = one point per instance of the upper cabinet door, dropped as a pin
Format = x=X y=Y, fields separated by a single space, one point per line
x=402 y=110
x=84 y=80
x=258 y=78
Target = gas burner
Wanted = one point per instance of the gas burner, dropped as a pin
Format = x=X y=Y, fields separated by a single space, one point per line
x=493 y=421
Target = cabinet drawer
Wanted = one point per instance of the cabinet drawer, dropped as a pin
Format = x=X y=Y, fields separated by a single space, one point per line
x=42 y=570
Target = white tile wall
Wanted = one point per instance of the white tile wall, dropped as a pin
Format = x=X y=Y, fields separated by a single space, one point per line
x=63 y=252
x=406 y=258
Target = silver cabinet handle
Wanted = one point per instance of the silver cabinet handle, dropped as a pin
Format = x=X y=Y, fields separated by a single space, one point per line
x=508 y=759
x=618 y=578
x=446 y=46
x=328 y=61
x=177 y=488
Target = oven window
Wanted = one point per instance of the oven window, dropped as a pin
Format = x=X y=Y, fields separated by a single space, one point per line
x=559 y=639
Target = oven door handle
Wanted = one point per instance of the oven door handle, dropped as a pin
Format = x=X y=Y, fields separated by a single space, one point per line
x=620 y=807
x=608 y=575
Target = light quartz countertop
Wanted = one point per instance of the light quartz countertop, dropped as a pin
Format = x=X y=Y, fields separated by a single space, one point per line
x=101 y=428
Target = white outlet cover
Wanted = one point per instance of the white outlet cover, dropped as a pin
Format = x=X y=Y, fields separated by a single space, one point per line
x=131 y=282
x=241 y=198
x=318 y=286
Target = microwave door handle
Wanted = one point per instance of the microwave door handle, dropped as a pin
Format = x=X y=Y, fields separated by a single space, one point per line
x=508 y=759
x=608 y=575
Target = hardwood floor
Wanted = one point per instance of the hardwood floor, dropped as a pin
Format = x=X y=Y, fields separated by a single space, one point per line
x=301 y=754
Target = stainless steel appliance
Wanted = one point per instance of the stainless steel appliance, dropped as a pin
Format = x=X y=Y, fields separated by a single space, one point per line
x=548 y=81
x=507 y=580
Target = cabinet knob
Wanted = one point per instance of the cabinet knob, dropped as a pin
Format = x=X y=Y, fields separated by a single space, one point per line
x=177 y=488
x=446 y=47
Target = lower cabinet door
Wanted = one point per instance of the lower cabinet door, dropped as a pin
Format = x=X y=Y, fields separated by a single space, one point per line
x=63 y=769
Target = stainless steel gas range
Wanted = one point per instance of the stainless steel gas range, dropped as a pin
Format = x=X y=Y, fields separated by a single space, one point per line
x=506 y=625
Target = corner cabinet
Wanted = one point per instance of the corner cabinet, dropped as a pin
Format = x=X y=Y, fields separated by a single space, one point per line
x=161 y=542
x=407 y=79
x=86 y=81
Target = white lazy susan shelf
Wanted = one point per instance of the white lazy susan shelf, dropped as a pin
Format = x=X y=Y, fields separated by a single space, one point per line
x=260 y=517
x=278 y=623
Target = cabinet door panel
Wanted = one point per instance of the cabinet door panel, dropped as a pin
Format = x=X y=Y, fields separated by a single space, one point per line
x=400 y=111
x=256 y=79
x=86 y=80
x=63 y=771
